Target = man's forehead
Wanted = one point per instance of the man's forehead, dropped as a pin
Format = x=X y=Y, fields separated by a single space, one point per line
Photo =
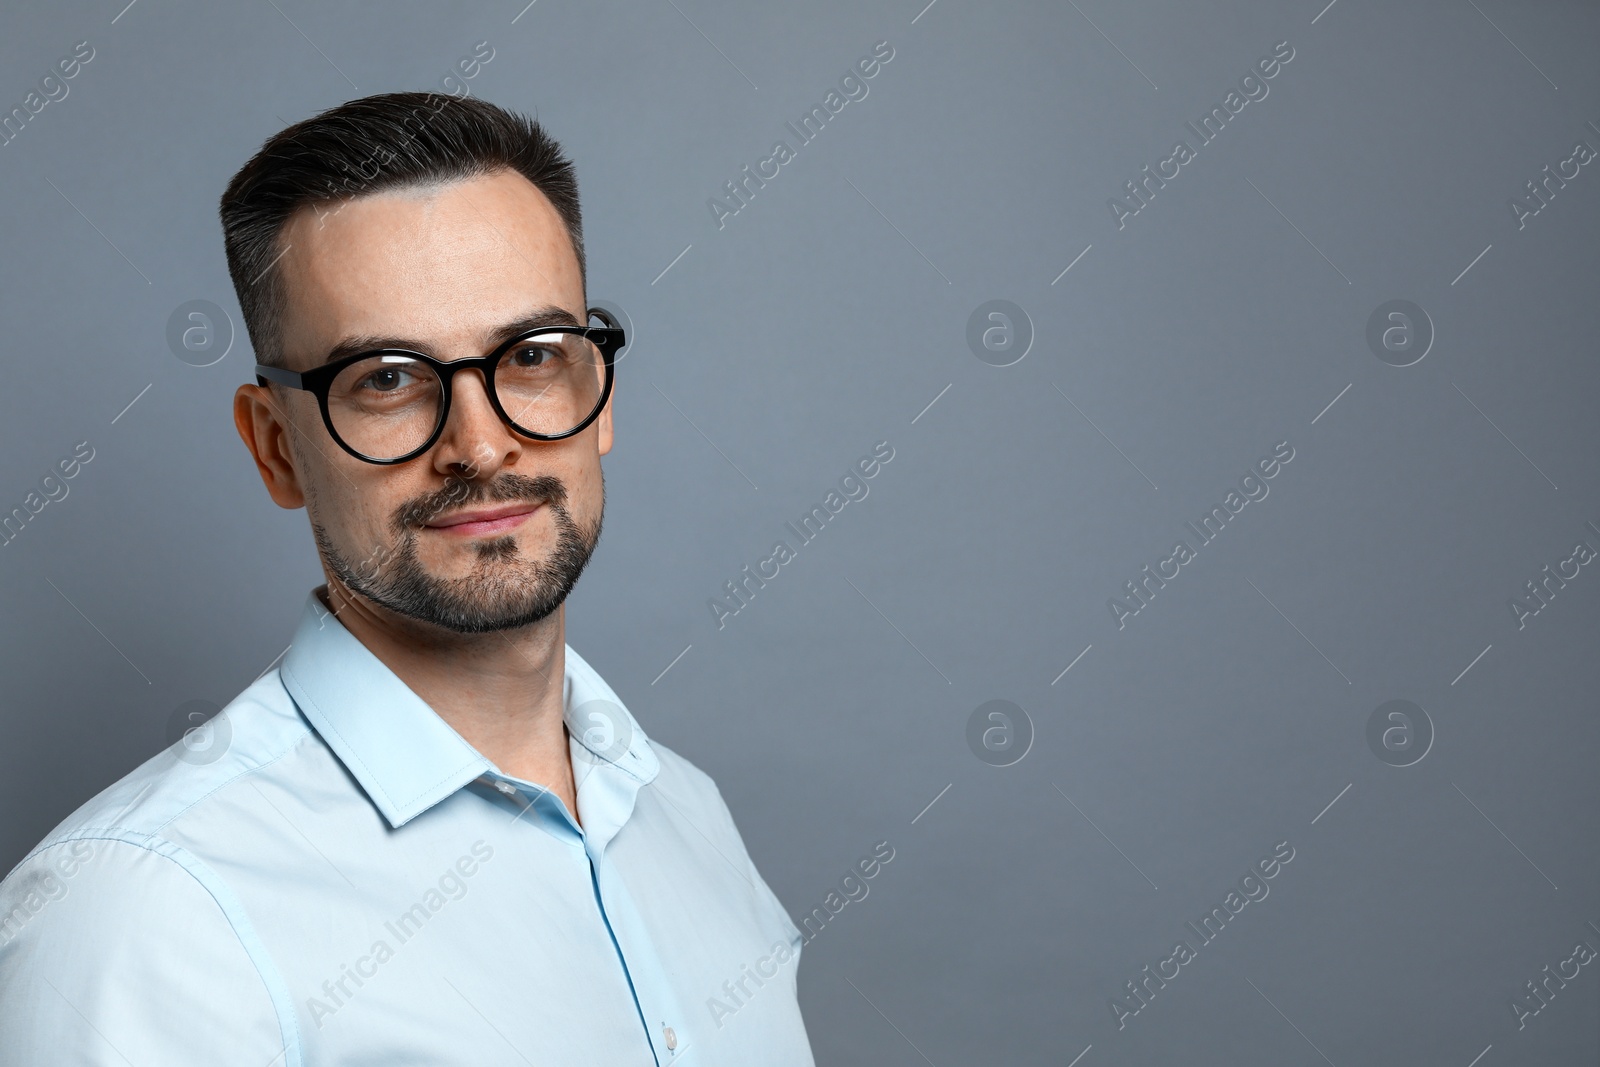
x=448 y=261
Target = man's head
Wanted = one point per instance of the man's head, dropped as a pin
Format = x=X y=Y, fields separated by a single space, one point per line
x=434 y=224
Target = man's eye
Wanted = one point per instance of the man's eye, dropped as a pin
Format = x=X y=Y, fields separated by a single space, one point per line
x=532 y=356
x=387 y=379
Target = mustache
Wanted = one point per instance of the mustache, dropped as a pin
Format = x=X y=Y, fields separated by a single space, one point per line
x=459 y=492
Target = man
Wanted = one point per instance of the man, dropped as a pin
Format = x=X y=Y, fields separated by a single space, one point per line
x=432 y=834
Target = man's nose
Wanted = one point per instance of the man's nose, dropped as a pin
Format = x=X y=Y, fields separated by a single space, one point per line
x=475 y=440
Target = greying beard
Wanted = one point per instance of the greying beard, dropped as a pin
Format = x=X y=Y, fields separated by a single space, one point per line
x=505 y=591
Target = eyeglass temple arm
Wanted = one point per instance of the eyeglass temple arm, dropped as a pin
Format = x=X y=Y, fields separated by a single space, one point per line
x=281 y=375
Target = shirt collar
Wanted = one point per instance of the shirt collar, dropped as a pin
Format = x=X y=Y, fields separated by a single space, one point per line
x=407 y=758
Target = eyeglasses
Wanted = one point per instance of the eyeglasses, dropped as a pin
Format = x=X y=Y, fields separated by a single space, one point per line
x=390 y=405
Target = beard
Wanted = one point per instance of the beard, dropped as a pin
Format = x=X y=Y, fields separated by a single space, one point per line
x=505 y=589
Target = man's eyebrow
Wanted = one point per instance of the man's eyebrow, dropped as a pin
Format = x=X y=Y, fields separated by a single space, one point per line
x=540 y=317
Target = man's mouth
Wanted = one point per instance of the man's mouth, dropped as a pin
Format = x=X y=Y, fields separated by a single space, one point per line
x=480 y=522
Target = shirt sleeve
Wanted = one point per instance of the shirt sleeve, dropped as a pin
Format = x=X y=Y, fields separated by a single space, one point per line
x=114 y=953
x=780 y=919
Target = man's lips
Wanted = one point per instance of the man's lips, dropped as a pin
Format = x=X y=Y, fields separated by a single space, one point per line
x=484 y=520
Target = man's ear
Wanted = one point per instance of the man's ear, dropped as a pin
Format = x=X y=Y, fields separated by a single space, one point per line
x=263 y=425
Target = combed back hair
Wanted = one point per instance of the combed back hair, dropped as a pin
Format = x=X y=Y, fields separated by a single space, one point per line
x=377 y=143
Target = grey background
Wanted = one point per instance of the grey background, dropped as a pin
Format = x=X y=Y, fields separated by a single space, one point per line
x=823 y=318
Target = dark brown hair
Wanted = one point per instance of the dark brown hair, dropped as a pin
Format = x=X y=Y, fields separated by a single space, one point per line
x=364 y=146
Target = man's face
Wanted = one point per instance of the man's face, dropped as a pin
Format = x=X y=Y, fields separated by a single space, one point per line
x=441 y=270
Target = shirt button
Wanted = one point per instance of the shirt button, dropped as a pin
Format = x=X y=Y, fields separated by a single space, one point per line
x=507 y=788
x=672 y=1038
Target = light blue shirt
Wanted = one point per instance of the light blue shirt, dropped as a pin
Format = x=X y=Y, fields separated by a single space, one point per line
x=327 y=873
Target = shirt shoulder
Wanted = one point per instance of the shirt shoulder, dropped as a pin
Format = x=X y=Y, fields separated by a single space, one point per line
x=694 y=796
x=693 y=793
x=248 y=736
x=683 y=774
x=118 y=944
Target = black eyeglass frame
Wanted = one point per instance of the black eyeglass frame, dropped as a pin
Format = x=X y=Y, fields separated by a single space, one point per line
x=609 y=339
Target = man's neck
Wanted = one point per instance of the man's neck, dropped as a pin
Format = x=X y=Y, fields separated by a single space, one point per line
x=502 y=691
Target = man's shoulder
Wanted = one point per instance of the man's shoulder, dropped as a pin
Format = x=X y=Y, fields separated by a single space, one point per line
x=250 y=735
x=692 y=797
x=680 y=772
x=691 y=794
x=683 y=779
x=124 y=920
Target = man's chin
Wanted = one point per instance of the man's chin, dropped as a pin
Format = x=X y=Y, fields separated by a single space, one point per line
x=475 y=615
